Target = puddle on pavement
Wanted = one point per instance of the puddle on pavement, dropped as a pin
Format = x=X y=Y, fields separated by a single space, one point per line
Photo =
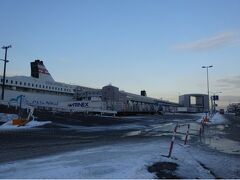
x=164 y=170
x=223 y=145
x=214 y=138
x=220 y=127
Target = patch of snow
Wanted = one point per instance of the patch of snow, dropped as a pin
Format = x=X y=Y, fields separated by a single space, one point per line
x=132 y=133
x=222 y=165
x=123 y=160
x=215 y=119
x=8 y=125
x=7 y=117
x=218 y=119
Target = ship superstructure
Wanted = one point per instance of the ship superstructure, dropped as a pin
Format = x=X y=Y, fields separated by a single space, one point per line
x=40 y=89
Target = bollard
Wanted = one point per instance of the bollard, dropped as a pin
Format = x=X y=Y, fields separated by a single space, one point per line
x=172 y=142
x=185 y=142
x=203 y=127
x=200 y=131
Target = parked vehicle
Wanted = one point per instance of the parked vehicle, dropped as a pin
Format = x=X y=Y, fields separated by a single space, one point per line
x=221 y=111
x=237 y=113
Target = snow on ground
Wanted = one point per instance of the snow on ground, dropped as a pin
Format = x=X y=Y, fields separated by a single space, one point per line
x=7 y=117
x=123 y=160
x=218 y=119
x=215 y=119
x=8 y=125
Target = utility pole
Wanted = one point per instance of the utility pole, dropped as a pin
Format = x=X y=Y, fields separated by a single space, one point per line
x=208 y=86
x=4 y=71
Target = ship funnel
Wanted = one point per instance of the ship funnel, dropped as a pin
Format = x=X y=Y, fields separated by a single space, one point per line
x=38 y=70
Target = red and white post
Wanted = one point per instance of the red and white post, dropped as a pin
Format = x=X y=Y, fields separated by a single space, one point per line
x=172 y=142
x=186 y=138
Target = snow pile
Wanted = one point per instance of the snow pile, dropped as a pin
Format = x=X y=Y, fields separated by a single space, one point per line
x=218 y=119
x=123 y=161
x=7 y=117
x=215 y=119
x=8 y=125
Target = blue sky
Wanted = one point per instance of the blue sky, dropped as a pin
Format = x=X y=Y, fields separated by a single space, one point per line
x=154 y=45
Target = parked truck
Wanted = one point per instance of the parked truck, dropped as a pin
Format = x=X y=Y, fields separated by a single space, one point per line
x=221 y=111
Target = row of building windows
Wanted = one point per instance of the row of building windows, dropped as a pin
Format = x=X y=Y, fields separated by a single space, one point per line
x=36 y=85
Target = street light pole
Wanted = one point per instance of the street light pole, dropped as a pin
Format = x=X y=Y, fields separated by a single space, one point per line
x=207 y=67
x=4 y=71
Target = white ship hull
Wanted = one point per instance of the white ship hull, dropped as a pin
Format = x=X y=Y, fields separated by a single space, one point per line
x=36 y=99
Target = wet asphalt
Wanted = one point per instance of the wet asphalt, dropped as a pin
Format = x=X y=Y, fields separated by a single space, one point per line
x=58 y=137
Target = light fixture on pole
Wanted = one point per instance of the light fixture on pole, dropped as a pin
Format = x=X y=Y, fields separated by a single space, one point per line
x=207 y=67
x=214 y=98
x=4 y=71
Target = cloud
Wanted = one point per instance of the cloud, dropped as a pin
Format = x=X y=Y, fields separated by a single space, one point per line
x=218 y=40
x=231 y=82
x=224 y=101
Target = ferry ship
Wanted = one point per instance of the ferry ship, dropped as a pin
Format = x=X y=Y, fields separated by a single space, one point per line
x=40 y=89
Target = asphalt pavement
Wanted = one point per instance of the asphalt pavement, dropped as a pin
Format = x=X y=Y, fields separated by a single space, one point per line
x=58 y=137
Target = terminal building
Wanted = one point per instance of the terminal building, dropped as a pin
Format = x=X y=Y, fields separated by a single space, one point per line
x=193 y=103
x=110 y=98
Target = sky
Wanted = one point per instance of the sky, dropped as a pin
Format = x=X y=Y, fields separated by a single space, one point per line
x=155 y=45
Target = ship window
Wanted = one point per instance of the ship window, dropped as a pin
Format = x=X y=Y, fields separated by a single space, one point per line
x=36 y=85
x=20 y=83
x=49 y=87
x=24 y=84
x=15 y=82
x=32 y=85
x=61 y=89
x=6 y=81
x=28 y=84
x=55 y=88
x=40 y=86
x=43 y=86
x=52 y=88
x=46 y=87
x=11 y=81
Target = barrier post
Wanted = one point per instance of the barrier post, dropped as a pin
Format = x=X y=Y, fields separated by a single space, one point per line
x=200 y=130
x=185 y=142
x=172 y=142
x=204 y=121
x=203 y=127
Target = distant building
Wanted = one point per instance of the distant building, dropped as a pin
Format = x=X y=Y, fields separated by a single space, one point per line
x=116 y=100
x=233 y=108
x=194 y=103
